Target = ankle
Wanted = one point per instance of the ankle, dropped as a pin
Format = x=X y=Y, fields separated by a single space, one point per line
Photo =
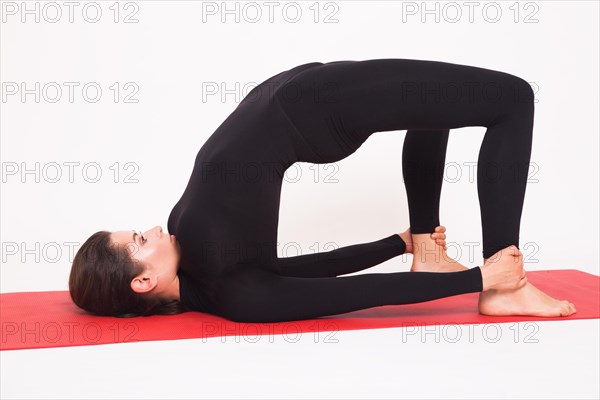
x=421 y=237
x=428 y=250
x=424 y=242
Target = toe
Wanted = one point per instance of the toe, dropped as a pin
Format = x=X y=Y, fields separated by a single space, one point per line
x=565 y=308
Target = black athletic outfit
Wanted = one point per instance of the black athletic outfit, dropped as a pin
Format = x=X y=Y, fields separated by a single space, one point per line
x=226 y=220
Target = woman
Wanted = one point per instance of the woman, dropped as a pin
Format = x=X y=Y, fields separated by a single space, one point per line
x=221 y=256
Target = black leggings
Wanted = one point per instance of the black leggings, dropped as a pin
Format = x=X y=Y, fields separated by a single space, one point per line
x=334 y=107
x=338 y=105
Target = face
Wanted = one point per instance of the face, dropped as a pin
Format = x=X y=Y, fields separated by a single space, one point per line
x=158 y=251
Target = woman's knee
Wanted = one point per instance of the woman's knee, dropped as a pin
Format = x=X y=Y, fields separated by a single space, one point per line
x=516 y=93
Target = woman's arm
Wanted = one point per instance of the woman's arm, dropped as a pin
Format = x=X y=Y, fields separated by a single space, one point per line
x=344 y=260
x=257 y=295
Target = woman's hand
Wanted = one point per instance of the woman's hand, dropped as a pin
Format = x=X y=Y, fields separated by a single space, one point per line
x=439 y=236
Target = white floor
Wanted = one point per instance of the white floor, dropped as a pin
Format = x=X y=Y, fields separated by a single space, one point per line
x=549 y=360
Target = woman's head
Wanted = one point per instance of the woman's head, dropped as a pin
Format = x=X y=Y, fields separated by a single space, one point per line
x=127 y=273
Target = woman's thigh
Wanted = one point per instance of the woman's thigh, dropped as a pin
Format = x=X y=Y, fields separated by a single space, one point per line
x=338 y=105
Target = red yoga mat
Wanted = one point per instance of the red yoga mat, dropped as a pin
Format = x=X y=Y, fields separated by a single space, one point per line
x=50 y=319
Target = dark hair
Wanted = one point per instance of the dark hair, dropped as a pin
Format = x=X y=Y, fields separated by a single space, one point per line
x=100 y=280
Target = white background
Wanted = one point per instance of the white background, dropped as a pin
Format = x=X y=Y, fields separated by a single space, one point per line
x=171 y=54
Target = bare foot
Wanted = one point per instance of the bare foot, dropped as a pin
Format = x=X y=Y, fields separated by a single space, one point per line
x=526 y=300
x=430 y=255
